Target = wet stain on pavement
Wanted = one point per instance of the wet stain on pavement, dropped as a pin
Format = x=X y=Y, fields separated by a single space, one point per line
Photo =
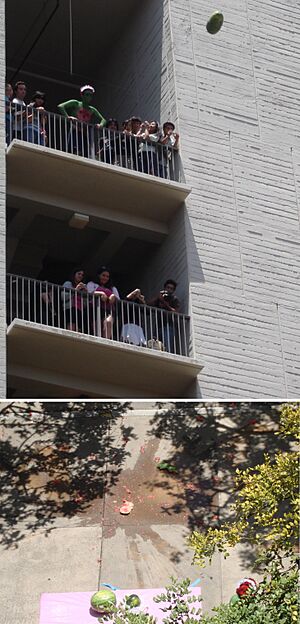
x=159 y=497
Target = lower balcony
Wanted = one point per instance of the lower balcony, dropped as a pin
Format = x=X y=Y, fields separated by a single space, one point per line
x=62 y=344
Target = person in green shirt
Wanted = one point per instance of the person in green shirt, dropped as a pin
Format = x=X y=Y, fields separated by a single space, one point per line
x=81 y=136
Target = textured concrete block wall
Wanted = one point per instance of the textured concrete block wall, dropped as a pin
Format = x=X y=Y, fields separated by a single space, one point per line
x=237 y=99
x=2 y=209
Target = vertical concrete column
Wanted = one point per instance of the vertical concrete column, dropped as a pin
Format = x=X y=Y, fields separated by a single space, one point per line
x=2 y=208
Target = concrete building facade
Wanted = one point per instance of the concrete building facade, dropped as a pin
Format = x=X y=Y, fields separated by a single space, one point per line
x=227 y=231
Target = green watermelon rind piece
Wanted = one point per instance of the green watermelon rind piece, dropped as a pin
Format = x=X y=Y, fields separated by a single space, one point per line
x=162 y=466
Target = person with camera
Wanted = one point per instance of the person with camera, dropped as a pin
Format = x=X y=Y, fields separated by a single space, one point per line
x=167 y=300
x=150 y=135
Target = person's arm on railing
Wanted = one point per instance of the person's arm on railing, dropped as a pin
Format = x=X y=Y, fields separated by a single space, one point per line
x=100 y=293
x=19 y=111
x=68 y=108
x=102 y=120
x=66 y=294
x=81 y=286
x=136 y=295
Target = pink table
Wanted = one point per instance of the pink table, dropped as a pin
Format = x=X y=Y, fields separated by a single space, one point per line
x=74 y=608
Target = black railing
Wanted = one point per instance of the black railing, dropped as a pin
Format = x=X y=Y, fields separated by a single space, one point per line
x=123 y=321
x=54 y=131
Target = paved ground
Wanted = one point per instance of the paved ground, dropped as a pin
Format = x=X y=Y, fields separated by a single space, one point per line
x=64 y=476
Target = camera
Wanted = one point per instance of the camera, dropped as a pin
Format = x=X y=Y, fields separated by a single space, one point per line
x=165 y=294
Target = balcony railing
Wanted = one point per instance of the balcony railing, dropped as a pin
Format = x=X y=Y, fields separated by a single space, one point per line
x=54 y=131
x=124 y=321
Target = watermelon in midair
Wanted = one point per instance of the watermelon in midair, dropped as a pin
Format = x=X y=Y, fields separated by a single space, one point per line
x=215 y=22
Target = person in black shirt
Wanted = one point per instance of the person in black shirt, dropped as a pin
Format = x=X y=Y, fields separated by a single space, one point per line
x=167 y=300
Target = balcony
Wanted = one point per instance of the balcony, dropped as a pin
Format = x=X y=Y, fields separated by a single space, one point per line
x=82 y=168
x=60 y=345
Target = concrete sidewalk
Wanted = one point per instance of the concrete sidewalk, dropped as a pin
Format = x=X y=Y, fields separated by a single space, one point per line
x=62 y=530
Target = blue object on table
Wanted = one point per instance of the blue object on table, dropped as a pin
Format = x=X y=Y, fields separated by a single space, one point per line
x=112 y=587
x=196 y=582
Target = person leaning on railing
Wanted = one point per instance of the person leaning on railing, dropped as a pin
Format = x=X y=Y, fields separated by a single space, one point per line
x=170 y=141
x=19 y=110
x=134 y=138
x=109 y=146
x=167 y=300
x=9 y=93
x=74 y=302
x=107 y=295
x=48 y=303
x=125 y=143
x=150 y=135
x=36 y=120
x=81 y=138
x=132 y=332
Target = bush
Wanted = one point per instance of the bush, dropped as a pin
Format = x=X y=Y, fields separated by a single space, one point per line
x=266 y=507
x=274 y=602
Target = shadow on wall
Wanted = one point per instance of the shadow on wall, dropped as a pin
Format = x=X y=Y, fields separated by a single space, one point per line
x=135 y=75
x=57 y=464
x=210 y=442
x=193 y=254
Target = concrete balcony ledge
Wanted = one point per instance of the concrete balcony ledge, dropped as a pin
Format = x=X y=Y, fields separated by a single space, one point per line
x=53 y=177
x=70 y=364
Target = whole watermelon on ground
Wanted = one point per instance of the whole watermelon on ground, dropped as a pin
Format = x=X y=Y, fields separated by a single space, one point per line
x=103 y=601
x=133 y=601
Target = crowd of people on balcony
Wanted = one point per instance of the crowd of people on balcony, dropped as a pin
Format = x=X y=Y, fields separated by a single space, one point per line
x=93 y=307
x=75 y=302
x=140 y=145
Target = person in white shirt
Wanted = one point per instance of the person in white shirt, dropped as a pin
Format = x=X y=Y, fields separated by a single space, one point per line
x=150 y=135
x=134 y=317
x=170 y=141
x=19 y=109
x=106 y=296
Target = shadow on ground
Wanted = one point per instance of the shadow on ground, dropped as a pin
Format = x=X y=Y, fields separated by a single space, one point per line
x=55 y=464
x=210 y=442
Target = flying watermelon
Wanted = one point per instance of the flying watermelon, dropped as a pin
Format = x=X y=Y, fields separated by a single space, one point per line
x=215 y=23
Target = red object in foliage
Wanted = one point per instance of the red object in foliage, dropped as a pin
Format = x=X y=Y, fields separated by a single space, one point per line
x=246 y=586
x=252 y=422
x=200 y=418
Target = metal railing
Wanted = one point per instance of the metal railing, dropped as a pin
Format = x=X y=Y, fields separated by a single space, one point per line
x=54 y=131
x=123 y=321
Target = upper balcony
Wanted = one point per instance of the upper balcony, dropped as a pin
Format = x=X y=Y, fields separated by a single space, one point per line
x=55 y=161
x=62 y=344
